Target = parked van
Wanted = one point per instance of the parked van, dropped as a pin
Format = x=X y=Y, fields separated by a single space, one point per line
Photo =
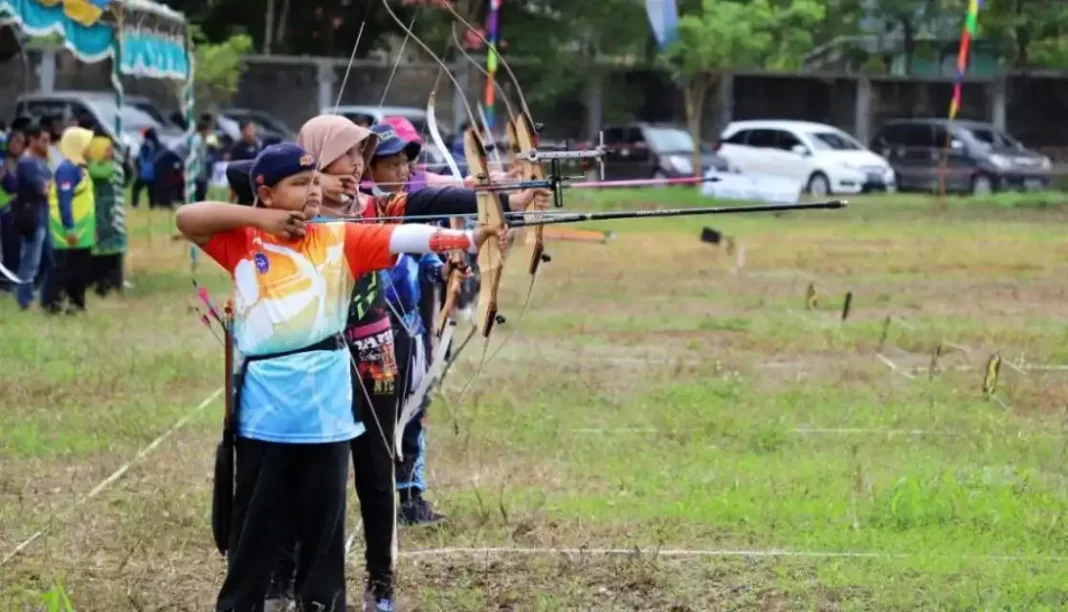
x=978 y=157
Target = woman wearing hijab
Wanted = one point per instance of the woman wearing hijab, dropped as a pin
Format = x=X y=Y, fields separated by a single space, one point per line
x=344 y=151
x=71 y=224
x=110 y=231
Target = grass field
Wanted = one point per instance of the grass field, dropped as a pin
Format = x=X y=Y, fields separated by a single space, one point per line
x=664 y=431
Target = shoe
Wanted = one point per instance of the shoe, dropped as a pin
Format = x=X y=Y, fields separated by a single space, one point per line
x=278 y=605
x=418 y=511
x=381 y=604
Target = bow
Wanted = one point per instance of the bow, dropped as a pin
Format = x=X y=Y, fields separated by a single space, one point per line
x=446 y=326
x=490 y=213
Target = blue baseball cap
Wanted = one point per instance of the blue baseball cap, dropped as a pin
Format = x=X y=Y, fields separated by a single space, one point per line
x=390 y=143
x=278 y=162
x=238 y=175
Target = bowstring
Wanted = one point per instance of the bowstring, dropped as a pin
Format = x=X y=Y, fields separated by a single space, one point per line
x=354 y=367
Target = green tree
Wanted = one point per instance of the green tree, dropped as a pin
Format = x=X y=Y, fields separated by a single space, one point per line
x=1030 y=32
x=217 y=69
x=730 y=34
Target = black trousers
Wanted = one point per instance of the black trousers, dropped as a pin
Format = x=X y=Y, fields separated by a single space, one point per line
x=107 y=273
x=374 y=404
x=299 y=486
x=150 y=187
x=201 y=190
x=71 y=273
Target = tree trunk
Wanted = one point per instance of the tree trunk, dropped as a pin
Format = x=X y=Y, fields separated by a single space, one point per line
x=908 y=43
x=1022 y=36
x=695 y=92
x=268 y=28
x=282 y=32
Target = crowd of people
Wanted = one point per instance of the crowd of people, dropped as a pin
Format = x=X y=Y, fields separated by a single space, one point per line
x=331 y=321
x=58 y=232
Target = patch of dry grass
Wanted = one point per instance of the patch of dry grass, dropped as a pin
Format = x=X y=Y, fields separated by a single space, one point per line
x=654 y=396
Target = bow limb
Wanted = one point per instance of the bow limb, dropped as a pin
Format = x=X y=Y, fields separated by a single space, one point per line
x=439 y=142
x=490 y=256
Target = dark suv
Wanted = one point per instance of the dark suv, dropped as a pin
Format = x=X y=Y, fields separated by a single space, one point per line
x=979 y=158
x=643 y=150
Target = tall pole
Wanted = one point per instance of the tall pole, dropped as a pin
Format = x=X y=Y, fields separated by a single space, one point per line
x=967 y=34
x=492 y=32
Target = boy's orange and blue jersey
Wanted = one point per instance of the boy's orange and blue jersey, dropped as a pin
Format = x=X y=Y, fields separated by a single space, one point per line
x=290 y=295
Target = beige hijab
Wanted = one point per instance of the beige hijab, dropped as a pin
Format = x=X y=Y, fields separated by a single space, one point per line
x=327 y=138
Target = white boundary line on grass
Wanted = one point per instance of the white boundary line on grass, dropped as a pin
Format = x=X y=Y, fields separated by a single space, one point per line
x=669 y=552
x=119 y=473
x=844 y=431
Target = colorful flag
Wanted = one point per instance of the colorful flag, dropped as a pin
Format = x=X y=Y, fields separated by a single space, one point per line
x=491 y=59
x=971 y=18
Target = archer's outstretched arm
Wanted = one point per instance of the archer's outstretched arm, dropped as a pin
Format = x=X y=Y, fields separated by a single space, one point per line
x=373 y=247
x=199 y=221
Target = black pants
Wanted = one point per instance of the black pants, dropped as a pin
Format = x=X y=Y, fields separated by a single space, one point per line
x=301 y=486
x=375 y=403
x=374 y=378
x=107 y=273
x=71 y=272
x=150 y=187
x=201 y=189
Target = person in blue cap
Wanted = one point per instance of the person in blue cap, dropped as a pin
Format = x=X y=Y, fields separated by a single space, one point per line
x=405 y=290
x=239 y=176
x=292 y=421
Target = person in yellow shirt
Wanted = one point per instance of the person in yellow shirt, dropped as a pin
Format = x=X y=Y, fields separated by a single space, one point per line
x=71 y=224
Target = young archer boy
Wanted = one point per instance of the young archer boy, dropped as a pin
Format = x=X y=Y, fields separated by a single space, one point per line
x=293 y=397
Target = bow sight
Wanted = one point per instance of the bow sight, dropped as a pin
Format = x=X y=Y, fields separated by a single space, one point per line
x=556 y=179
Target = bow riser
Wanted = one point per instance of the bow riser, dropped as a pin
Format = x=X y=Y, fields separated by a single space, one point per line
x=526 y=139
x=490 y=257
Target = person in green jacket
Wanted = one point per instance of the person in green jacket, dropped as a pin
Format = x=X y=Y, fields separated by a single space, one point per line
x=107 y=267
x=71 y=224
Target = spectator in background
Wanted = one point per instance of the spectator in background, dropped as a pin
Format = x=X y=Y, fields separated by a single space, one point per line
x=30 y=209
x=53 y=124
x=200 y=145
x=458 y=140
x=72 y=225
x=10 y=243
x=249 y=146
x=110 y=243
x=146 y=169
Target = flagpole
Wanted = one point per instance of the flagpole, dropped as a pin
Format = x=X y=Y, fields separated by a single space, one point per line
x=967 y=34
x=491 y=60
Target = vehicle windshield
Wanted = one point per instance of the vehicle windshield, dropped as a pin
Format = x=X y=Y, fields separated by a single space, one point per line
x=834 y=141
x=670 y=140
x=995 y=138
x=133 y=119
x=151 y=111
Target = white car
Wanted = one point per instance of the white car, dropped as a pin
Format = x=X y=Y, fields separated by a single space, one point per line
x=821 y=158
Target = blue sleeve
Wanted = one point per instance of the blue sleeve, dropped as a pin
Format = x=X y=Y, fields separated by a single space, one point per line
x=31 y=178
x=67 y=177
x=10 y=182
x=430 y=267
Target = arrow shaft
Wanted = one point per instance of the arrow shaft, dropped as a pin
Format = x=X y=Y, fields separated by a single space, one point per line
x=559 y=218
